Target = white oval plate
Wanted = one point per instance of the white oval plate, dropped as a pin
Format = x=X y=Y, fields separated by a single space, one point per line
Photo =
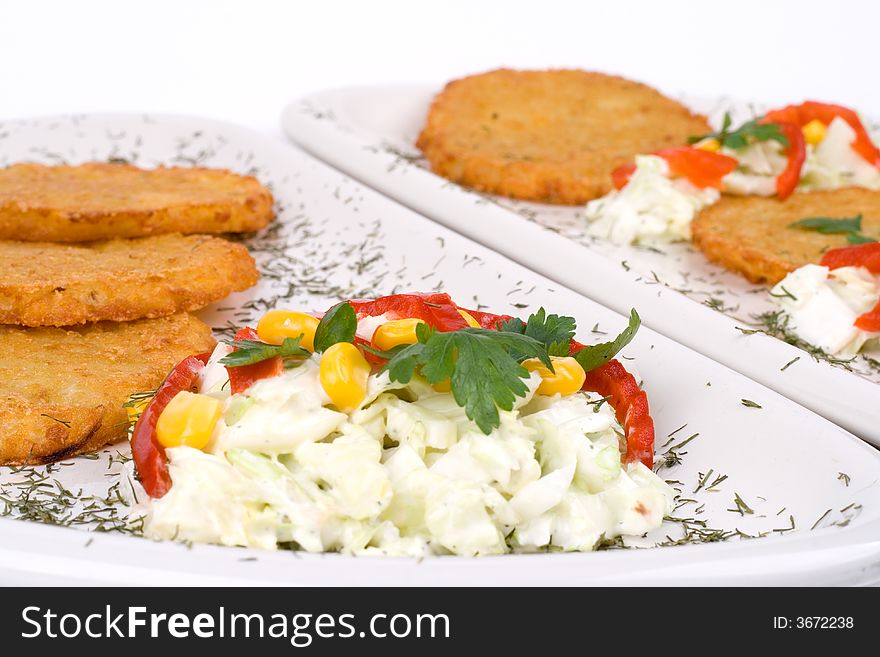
x=814 y=489
x=369 y=132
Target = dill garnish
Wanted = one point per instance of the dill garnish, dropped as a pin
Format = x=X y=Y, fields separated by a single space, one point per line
x=615 y=543
x=821 y=518
x=785 y=294
x=775 y=324
x=66 y=423
x=704 y=482
x=741 y=507
x=37 y=496
x=789 y=363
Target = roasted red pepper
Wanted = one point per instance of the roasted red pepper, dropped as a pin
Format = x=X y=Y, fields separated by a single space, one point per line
x=630 y=405
x=243 y=377
x=702 y=168
x=801 y=115
x=437 y=310
x=796 y=155
x=487 y=320
x=870 y=321
x=147 y=452
x=860 y=255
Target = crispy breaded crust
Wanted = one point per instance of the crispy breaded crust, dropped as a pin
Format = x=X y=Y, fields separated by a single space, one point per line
x=750 y=234
x=99 y=201
x=61 y=391
x=45 y=284
x=553 y=136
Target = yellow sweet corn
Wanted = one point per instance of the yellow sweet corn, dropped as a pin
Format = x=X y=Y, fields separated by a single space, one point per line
x=276 y=325
x=566 y=379
x=814 y=132
x=711 y=144
x=396 y=332
x=343 y=375
x=189 y=419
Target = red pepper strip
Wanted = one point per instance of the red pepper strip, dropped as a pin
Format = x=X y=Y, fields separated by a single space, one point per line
x=437 y=310
x=621 y=175
x=487 y=320
x=242 y=378
x=860 y=255
x=147 y=452
x=796 y=154
x=630 y=405
x=702 y=168
x=801 y=115
x=870 y=321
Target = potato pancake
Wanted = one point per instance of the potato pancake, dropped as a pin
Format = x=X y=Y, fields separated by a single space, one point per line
x=46 y=284
x=62 y=391
x=751 y=235
x=99 y=201
x=551 y=136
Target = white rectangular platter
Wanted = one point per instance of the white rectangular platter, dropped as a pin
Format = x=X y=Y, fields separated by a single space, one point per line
x=813 y=488
x=370 y=132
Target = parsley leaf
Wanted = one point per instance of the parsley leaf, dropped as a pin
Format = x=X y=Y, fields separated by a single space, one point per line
x=849 y=226
x=553 y=331
x=249 y=352
x=829 y=226
x=338 y=325
x=482 y=365
x=858 y=238
x=592 y=356
x=749 y=132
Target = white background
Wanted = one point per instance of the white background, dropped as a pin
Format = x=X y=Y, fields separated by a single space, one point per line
x=242 y=61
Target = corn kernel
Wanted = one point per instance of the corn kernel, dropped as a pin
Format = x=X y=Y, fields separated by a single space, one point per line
x=443 y=386
x=276 y=325
x=473 y=323
x=566 y=378
x=189 y=419
x=343 y=373
x=711 y=144
x=396 y=332
x=814 y=132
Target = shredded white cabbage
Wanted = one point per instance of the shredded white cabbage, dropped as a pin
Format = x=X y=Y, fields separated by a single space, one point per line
x=822 y=305
x=405 y=474
x=651 y=208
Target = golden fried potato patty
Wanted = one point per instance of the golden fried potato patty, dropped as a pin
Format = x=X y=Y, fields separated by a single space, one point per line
x=61 y=391
x=553 y=136
x=98 y=201
x=751 y=235
x=46 y=284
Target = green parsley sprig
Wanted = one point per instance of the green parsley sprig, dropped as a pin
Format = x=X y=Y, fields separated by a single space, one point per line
x=339 y=324
x=748 y=133
x=849 y=226
x=593 y=356
x=553 y=331
x=484 y=366
x=250 y=352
